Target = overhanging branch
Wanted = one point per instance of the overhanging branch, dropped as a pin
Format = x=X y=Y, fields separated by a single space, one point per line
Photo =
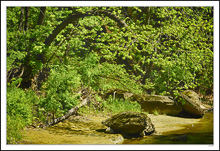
x=75 y=17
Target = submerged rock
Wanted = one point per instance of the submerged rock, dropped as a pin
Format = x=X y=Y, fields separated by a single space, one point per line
x=117 y=139
x=179 y=138
x=129 y=123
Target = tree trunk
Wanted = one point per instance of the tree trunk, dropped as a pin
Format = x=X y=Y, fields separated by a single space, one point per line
x=41 y=16
x=147 y=11
x=84 y=100
x=40 y=22
x=27 y=13
x=21 y=19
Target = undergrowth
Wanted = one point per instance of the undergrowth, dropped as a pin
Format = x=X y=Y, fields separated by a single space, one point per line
x=109 y=106
x=19 y=112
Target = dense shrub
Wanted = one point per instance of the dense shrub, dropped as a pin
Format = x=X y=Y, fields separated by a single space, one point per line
x=19 y=112
x=59 y=90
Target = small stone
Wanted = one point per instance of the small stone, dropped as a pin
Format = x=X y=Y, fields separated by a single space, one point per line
x=109 y=130
x=117 y=140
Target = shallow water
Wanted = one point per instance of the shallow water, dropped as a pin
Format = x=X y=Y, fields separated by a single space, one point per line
x=81 y=130
x=90 y=131
x=199 y=133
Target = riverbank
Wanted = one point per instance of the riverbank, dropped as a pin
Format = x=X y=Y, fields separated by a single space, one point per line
x=165 y=124
x=89 y=130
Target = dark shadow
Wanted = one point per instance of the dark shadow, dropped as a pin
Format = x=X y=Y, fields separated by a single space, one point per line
x=185 y=114
x=186 y=138
x=130 y=136
x=100 y=130
x=126 y=136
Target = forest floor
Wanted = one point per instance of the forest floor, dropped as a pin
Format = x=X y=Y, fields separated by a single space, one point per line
x=89 y=130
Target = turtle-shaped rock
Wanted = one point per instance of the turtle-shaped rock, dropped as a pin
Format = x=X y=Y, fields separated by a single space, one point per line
x=130 y=123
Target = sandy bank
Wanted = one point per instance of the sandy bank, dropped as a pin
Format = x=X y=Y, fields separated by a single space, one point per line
x=164 y=123
x=89 y=130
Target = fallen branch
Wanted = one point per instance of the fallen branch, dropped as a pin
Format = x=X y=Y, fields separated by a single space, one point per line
x=72 y=111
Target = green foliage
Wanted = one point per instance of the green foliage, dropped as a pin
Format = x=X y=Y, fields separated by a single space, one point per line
x=87 y=69
x=163 y=48
x=182 y=48
x=19 y=103
x=155 y=112
x=59 y=90
x=15 y=125
x=109 y=106
x=105 y=76
x=120 y=105
x=15 y=82
x=19 y=112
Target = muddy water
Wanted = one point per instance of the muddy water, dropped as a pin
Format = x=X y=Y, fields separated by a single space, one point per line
x=75 y=130
x=198 y=132
x=89 y=130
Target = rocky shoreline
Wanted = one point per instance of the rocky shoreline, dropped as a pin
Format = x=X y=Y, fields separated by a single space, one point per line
x=89 y=130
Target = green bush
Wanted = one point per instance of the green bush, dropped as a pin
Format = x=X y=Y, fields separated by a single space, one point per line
x=15 y=125
x=110 y=106
x=120 y=105
x=59 y=90
x=19 y=103
x=19 y=112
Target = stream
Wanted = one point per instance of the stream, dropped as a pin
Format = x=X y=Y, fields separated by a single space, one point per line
x=197 y=133
x=89 y=130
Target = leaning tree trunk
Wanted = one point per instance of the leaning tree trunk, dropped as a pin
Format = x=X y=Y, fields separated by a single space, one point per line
x=86 y=98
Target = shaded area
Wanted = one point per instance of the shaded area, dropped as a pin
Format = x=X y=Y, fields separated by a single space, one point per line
x=187 y=138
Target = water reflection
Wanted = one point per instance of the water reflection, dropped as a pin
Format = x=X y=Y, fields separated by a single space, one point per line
x=199 y=133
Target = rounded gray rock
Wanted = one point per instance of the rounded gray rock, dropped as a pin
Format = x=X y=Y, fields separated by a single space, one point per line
x=130 y=123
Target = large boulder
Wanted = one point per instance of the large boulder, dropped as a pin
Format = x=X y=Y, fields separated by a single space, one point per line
x=130 y=123
x=158 y=103
x=192 y=104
